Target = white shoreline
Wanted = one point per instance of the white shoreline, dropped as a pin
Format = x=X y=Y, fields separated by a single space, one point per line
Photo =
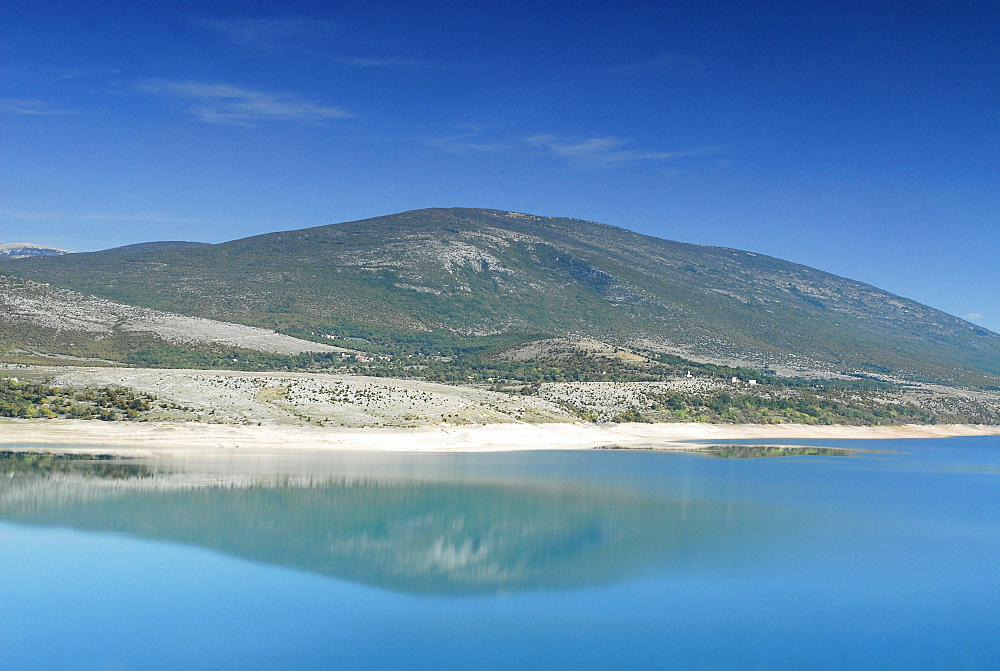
x=151 y=438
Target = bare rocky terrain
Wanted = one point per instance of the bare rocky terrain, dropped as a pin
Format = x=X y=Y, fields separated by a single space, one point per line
x=551 y=349
x=304 y=398
x=27 y=305
x=340 y=400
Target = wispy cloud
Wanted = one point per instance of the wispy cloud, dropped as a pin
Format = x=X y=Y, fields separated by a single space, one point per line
x=29 y=106
x=472 y=140
x=603 y=152
x=267 y=34
x=391 y=63
x=88 y=71
x=311 y=37
x=224 y=104
x=973 y=315
x=664 y=61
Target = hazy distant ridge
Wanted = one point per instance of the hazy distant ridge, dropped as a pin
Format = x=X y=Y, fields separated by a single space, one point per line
x=23 y=250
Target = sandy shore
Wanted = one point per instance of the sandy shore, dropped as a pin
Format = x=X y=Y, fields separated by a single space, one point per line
x=145 y=438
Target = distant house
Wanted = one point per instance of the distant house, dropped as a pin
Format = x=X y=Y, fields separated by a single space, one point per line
x=735 y=380
x=751 y=381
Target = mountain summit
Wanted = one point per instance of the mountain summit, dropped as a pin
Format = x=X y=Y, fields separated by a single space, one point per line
x=440 y=276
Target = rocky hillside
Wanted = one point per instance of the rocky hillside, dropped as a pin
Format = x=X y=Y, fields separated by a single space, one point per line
x=447 y=279
x=41 y=321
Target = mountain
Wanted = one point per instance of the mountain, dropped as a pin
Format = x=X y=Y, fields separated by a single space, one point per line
x=440 y=278
x=23 y=250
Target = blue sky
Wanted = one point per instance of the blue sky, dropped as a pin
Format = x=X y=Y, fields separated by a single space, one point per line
x=859 y=138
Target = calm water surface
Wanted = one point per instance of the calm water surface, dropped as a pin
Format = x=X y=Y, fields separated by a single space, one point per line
x=824 y=557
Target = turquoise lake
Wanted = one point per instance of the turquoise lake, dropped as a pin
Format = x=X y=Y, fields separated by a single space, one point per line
x=838 y=554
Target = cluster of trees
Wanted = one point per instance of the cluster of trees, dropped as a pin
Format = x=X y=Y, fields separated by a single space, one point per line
x=31 y=400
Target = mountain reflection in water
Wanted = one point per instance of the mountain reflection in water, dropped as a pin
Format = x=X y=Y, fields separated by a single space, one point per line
x=399 y=530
